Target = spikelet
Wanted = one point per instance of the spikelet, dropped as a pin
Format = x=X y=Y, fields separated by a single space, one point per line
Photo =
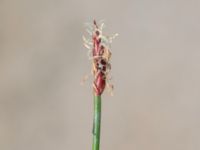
x=99 y=52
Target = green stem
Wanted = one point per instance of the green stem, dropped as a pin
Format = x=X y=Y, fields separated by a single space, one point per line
x=96 y=122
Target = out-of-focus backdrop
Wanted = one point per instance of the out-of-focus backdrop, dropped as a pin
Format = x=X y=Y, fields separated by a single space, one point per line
x=155 y=68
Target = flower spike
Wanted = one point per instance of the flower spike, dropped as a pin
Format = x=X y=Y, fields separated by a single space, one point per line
x=99 y=52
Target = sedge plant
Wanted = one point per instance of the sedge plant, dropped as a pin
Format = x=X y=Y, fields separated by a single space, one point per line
x=99 y=53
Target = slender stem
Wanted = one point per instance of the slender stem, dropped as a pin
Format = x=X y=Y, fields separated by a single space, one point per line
x=96 y=122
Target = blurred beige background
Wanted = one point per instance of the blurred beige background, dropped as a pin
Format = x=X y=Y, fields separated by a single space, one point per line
x=155 y=64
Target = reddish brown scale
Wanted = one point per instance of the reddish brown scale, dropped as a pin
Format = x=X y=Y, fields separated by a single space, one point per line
x=95 y=24
x=103 y=62
x=100 y=83
x=104 y=68
x=96 y=43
